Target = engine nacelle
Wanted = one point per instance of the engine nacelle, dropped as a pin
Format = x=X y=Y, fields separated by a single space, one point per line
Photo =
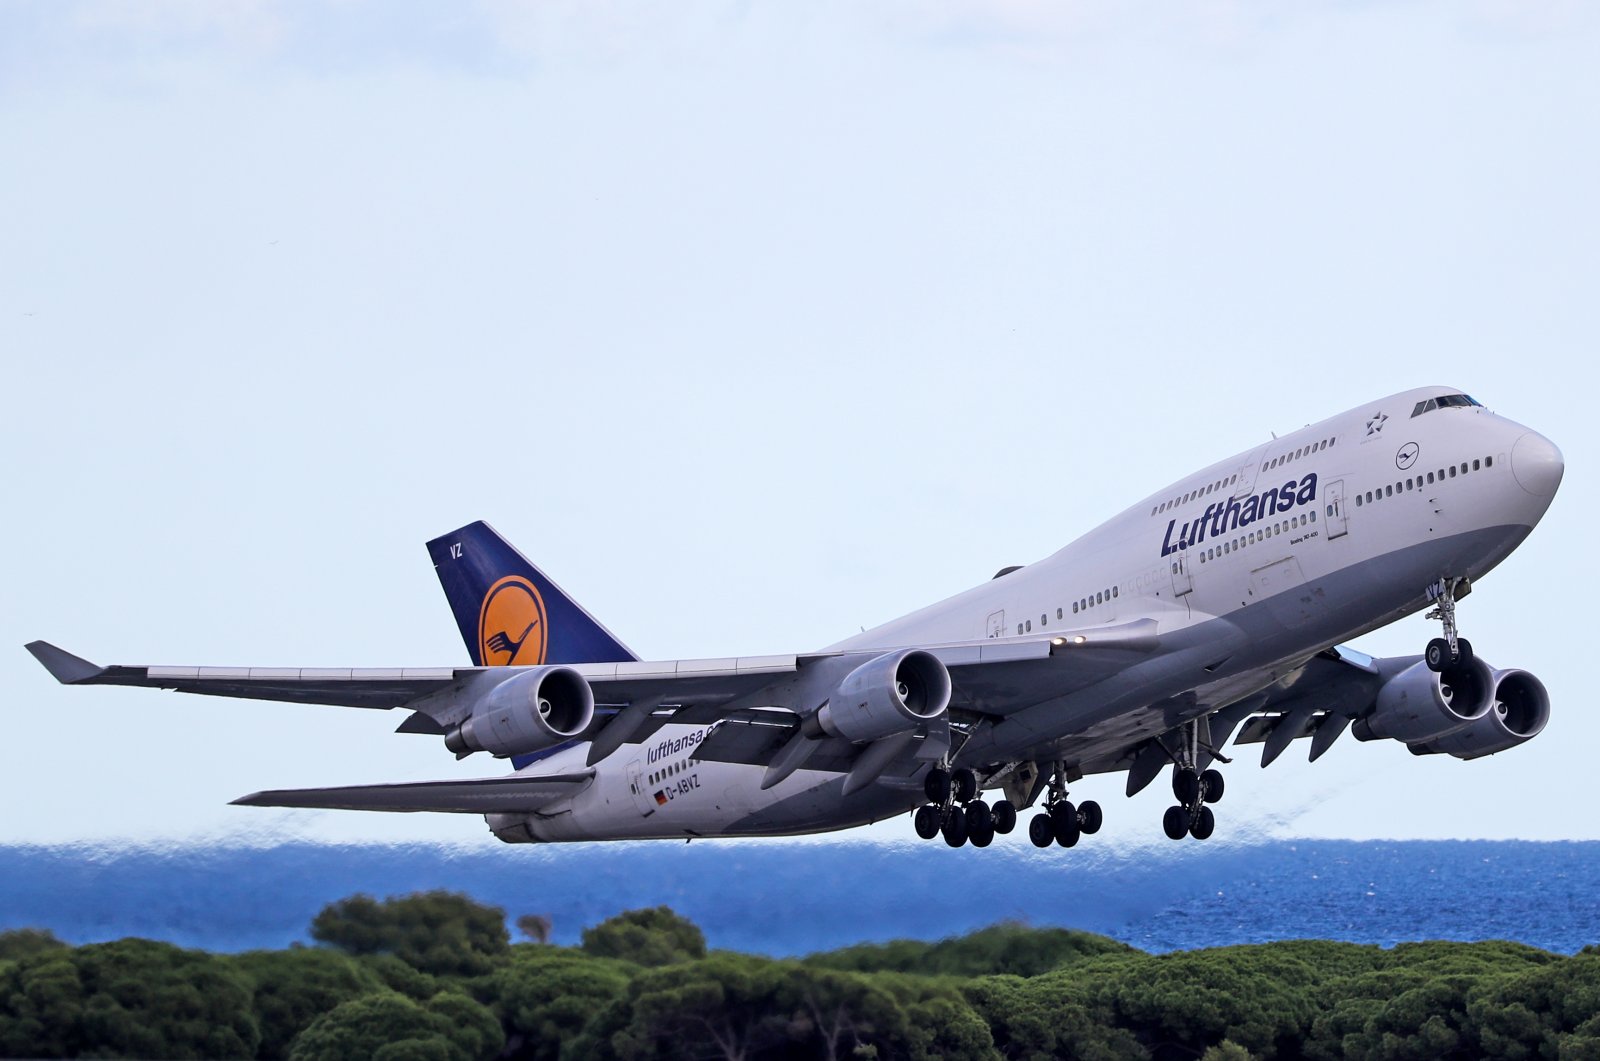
x=536 y=709
x=896 y=692
x=1520 y=710
x=1417 y=705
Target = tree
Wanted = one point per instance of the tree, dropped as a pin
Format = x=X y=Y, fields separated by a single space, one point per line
x=294 y=987
x=535 y=926
x=1007 y=948
x=27 y=942
x=131 y=998
x=449 y=1027
x=743 y=1008
x=545 y=995
x=1552 y=1010
x=435 y=932
x=1183 y=1003
x=655 y=936
x=1414 y=1005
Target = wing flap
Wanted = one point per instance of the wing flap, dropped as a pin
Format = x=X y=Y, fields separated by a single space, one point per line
x=516 y=794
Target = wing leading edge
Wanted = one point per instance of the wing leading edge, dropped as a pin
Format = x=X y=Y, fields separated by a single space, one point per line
x=493 y=795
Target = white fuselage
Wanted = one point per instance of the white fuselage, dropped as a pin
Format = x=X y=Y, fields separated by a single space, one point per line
x=1273 y=555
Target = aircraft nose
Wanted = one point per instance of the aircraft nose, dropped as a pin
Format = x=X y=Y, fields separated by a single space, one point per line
x=1537 y=464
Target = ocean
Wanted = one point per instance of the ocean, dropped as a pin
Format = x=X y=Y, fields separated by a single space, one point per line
x=790 y=899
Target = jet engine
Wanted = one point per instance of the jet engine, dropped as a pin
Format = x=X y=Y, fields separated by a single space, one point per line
x=896 y=692
x=540 y=707
x=1519 y=713
x=1418 y=705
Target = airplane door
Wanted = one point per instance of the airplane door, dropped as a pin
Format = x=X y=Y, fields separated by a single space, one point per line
x=1245 y=483
x=641 y=798
x=1182 y=579
x=1338 y=519
x=997 y=624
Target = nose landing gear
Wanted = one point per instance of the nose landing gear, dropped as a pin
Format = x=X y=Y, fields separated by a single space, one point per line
x=1450 y=650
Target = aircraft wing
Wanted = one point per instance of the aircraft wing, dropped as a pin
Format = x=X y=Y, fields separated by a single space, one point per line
x=493 y=795
x=989 y=677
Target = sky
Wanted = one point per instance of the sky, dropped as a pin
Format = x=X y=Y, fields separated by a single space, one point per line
x=753 y=324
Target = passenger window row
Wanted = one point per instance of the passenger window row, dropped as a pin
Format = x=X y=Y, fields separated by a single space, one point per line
x=676 y=768
x=1082 y=604
x=1200 y=491
x=1418 y=481
x=1245 y=540
x=1303 y=451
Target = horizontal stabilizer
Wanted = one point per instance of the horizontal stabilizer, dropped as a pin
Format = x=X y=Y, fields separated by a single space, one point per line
x=490 y=795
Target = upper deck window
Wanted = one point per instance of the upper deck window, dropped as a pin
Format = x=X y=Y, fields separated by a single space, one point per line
x=1445 y=402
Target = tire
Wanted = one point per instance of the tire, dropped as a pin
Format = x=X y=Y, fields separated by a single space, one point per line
x=1185 y=785
x=1175 y=823
x=1203 y=825
x=1211 y=786
x=1005 y=817
x=955 y=827
x=981 y=837
x=926 y=821
x=1463 y=651
x=1090 y=817
x=1040 y=831
x=936 y=786
x=964 y=785
x=1437 y=655
x=979 y=818
x=1064 y=823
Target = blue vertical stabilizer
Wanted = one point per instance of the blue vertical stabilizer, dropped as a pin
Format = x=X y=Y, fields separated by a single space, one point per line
x=509 y=612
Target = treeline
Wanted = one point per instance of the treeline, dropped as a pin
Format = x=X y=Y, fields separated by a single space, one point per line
x=435 y=977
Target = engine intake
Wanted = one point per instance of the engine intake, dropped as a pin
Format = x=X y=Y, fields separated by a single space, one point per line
x=528 y=712
x=896 y=692
x=1520 y=711
x=1417 y=705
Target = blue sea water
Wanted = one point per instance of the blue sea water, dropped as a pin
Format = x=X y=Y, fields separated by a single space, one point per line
x=787 y=899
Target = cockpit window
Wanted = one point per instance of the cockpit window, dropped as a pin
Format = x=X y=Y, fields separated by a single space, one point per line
x=1446 y=402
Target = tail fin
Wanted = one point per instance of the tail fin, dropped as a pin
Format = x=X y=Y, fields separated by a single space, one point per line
x=508 y=611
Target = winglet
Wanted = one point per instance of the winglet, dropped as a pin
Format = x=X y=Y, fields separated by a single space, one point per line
x=63 y=665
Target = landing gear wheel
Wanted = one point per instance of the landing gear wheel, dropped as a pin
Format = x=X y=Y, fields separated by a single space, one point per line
x=1005 y=817
x=936 y=786
x=1090 y=817
x=981 y=838
x=1041 y=831
x=1064 y=823
x=926 y=821
x=955 y=827
x=1186 y=785
x=963 y=785
x=1211 y=786
x=1437 y=655
x=979 y=818
x=1203 y=824
x=1175 y=823
x=1463 y=651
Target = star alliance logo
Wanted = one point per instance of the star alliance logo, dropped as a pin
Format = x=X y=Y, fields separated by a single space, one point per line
x=1375 y=425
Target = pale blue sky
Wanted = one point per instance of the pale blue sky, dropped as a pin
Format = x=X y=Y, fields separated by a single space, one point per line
x=752 y=324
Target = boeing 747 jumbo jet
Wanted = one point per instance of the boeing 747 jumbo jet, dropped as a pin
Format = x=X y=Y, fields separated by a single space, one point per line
x=1215 y=608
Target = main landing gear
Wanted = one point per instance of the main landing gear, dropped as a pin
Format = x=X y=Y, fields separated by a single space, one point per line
x=1450 y=650
x=1060 y=822
x=954 y=810
x=1194 y=790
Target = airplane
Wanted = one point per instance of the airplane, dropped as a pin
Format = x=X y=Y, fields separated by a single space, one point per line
x=1216 y=608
